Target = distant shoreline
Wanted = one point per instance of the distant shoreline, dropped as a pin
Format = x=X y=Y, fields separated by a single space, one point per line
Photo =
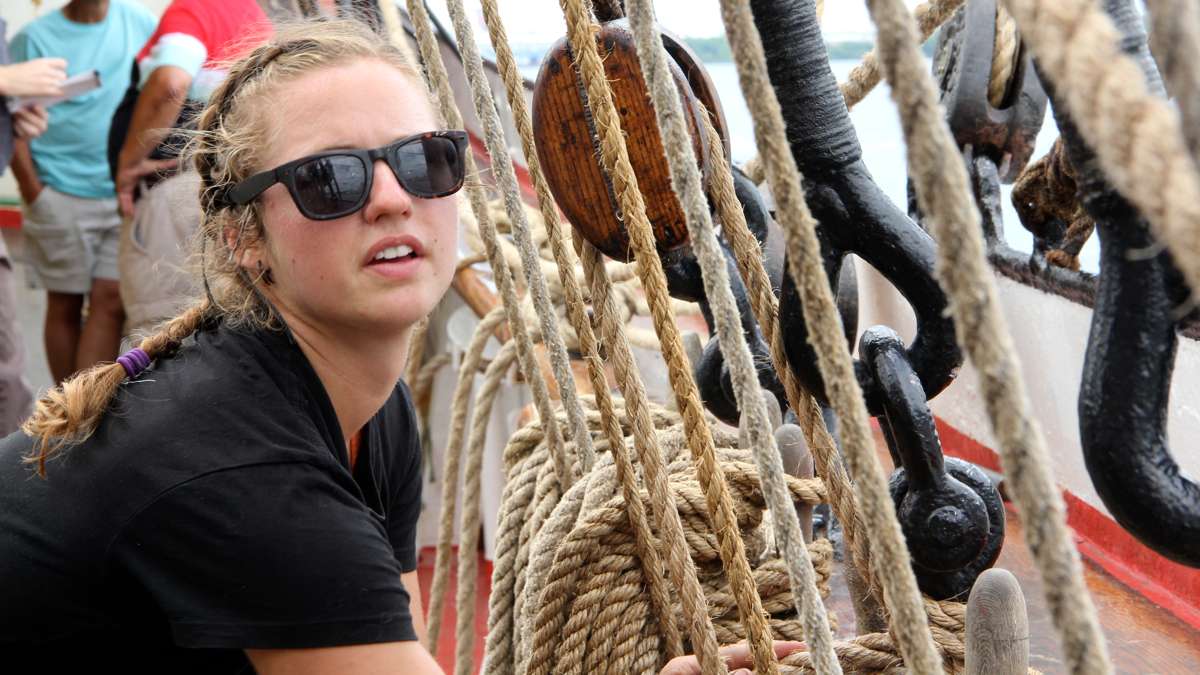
x=716 y=49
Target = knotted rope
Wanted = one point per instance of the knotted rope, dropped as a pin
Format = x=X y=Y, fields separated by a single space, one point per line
x=685 y=180
x=1046 y=192
x=615 y=160
x=820 y=314
x=942 y=190
x=1136 y=135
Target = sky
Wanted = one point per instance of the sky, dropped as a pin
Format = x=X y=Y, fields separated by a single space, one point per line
x=535 y=21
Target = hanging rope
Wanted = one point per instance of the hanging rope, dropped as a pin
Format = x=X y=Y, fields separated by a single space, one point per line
x=468 y=544
x=484 y=105
x=1136 y=135
x=1006 y=48
x=866 y=75
x=454 y=447
x=1175 y=42
x=503 y=277
x=422 y=383
x=681 y=567
x=942 y=190
x=506 y=178
x=436 y=73
x=820 y=314
x=416 y=350
x=615 y=160
x=685 y=180
x=765 y=306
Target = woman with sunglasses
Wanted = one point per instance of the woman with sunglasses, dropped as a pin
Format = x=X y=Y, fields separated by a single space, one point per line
x=242 y=489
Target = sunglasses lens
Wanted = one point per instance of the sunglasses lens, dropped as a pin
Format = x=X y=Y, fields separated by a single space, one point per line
x=430 y=167
x=331 y=185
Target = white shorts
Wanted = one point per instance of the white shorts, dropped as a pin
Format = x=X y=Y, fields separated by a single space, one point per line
x=69 y=240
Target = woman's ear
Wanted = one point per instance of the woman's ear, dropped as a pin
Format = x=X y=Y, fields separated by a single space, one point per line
x=248 y=255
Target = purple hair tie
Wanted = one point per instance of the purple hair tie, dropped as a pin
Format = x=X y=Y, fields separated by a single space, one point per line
x=134 y=361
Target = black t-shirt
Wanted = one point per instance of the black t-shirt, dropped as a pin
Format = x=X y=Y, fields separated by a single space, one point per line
x=213 y=510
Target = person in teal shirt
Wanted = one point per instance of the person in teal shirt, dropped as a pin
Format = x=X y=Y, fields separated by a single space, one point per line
x=72 y=224
x=70 y=156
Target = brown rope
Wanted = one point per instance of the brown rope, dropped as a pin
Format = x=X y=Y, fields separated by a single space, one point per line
x=526 y=359
x=889 y=552
x=615 y=159
x=685 y=180
x=765 y=305
x=942 y=190
x=454 y=447
x=680 y=568
x=1044 y=195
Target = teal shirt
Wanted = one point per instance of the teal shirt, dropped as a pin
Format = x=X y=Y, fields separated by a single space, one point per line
x=71 y=156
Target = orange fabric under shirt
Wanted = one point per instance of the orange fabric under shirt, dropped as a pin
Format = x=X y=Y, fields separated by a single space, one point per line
x=355 y=441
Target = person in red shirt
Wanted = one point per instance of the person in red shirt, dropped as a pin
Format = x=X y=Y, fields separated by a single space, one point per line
x=179 y=67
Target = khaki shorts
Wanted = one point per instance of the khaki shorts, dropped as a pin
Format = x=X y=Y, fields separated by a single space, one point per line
x=71 y=240
x=156 y=283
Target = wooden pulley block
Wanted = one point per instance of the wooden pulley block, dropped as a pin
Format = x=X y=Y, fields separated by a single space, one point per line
x=563 y=129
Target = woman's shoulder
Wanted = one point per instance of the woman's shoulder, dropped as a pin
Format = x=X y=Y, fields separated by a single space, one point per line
x=219 y=402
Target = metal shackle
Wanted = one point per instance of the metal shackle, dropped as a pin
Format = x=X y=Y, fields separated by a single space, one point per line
x=951 y=515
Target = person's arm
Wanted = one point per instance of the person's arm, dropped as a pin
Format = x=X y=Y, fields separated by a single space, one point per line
x=158 y=106
x=412 y=584
x=379 y=659
x=38 y=77
x=25 y=172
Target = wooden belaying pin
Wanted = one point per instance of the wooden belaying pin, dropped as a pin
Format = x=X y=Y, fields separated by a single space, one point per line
x=997 y=640
x=798 y=462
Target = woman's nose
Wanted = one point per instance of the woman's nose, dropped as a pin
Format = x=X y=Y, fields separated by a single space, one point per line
x=387 y=196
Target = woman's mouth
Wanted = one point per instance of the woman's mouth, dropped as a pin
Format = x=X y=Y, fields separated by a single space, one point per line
x=394 y=259
x=393 y=253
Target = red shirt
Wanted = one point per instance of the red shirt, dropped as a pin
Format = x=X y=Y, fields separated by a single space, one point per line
x=202 y=37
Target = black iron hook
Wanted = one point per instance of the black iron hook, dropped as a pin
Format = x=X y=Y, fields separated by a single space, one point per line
x=853 y=214
x=1127 y=371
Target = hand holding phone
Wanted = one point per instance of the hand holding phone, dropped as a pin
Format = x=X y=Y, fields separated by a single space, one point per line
x=37 y=77
x=76 y=85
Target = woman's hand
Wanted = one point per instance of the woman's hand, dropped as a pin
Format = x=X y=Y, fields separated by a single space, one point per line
x=128 y=175
x=38 y=77
x=30 y=122
x=736 y=656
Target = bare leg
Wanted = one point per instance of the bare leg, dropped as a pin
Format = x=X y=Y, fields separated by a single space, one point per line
x=61 y=333
x=101 y=336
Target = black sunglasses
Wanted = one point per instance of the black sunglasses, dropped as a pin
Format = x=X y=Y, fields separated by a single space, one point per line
x=336 y=183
